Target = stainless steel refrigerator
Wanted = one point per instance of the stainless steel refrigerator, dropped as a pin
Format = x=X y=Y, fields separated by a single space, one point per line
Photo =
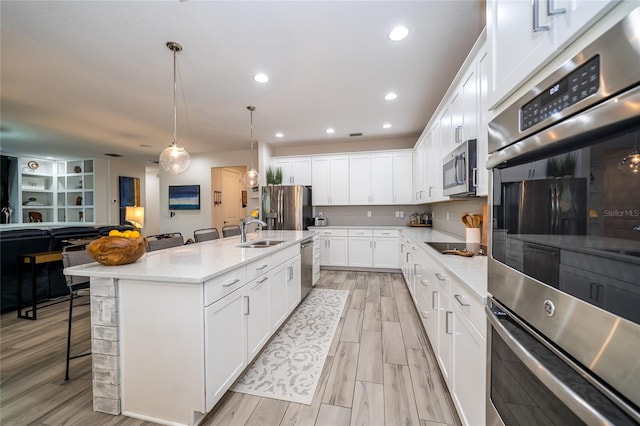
x=287 y=207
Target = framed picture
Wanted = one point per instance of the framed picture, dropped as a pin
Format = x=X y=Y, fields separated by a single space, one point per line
x=184 y=197
x=129 y=195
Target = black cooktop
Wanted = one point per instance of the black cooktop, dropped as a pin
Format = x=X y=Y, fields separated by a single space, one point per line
x=456 y=246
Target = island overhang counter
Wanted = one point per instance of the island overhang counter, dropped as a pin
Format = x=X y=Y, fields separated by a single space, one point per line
x=173 y=331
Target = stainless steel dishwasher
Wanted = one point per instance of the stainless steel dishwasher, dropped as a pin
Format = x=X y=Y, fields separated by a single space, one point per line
x=306 y=266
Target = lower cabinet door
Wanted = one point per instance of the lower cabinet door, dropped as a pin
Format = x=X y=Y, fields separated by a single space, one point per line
x=385 y=253
x=445 y=336
x=360 y=251
x=225 y=344
x=294 y=283
x=278 y=302
x=258 y=319
x=469 y=370
x=337 y=252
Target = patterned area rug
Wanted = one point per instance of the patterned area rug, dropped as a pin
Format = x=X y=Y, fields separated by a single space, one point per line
x=289 y=367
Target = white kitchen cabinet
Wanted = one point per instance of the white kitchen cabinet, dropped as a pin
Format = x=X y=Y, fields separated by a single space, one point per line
x=225 y=344
x=433 y=166
x=334 y=247
x=456 y=110
x=484 y=116
x=258 y=316
x=295 y=170
x=330 y=180
x=316 y=259
x=420 y=171
x=294 y=283
x=445 y=331
x=402 y=178
x=385 y=249
x=525 y=35
x=279 y=308
x=360 y=247
x=446 y=138
x=371 y=179
x=469 y=368
x=469 y=90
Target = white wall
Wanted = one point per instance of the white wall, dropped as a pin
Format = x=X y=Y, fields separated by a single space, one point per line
x=199 y=173
x=152 y=201
x=327 y=147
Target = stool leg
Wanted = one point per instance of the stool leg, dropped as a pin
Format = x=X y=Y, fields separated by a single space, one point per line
x=66 y=376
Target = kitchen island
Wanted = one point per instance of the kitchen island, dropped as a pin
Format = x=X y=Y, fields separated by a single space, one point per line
x=173 y=331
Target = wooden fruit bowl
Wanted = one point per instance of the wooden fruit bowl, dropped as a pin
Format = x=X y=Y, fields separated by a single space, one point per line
x=113 y=251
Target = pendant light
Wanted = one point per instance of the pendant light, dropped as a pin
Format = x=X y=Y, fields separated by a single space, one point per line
x=251 y=177
x=174 y=159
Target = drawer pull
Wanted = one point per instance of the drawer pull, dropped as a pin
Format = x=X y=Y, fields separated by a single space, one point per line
x=446 y=324
x=261 y=280
x=236 y=281
x=459 y=299
x=260 y=268
x=425 y=314
x=441 y=277
x=424 y=282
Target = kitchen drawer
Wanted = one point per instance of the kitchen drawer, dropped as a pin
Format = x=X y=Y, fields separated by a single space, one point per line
x=470 y=305
x=285 y=254
x=218 y=287
x=360 y=233
x=391 y=233
x=258 y=267
x=333 y=232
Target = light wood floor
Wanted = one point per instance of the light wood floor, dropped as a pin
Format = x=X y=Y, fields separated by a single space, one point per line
x=380 y=369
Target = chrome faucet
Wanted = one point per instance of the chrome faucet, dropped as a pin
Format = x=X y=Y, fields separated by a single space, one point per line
x=243 y=227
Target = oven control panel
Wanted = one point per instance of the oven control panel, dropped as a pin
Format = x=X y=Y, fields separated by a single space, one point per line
x=583 y=82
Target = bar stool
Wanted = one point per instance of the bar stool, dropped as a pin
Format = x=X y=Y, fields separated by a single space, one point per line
x=78 y=286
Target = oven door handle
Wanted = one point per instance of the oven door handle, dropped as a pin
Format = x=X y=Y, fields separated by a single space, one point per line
x=575 y=403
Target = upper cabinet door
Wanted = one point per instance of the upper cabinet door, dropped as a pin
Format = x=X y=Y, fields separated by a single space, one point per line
x=360 y=179
x=382 y=178
x=402 y=178
x=285 y=165
x=320 y=181
x=469 y=105
x=339 y=180
x=483 y=119
x=301 y=171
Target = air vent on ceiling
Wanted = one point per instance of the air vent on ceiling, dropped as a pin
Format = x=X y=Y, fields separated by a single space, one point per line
x=109 y=154
x=355 y=134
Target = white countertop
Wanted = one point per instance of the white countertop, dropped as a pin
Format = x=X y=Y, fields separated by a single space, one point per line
x=472 y=271
x=193 y=263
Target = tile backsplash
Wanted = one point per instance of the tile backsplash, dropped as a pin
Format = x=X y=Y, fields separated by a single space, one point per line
x=386 y=215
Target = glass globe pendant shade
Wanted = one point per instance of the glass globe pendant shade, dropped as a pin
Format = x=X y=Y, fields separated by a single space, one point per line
x=174 y=159
x=250 y=178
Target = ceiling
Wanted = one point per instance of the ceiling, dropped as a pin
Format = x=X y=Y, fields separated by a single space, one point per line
x=85 y=78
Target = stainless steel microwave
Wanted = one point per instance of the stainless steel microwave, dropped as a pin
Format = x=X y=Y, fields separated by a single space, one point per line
x=459 y=170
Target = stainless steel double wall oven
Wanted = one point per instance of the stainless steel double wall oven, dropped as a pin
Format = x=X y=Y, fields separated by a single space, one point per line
x=564 y=270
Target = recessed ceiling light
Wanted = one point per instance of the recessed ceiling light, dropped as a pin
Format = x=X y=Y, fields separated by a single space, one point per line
x=261 y=78
x=50 y=158
x=330 y=130
x=279 y=135
x=390 y=96
x=386 y=126
x=399 y=33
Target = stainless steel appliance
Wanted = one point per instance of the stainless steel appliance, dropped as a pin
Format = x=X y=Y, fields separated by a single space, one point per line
x=287 y=207
x=564 y=311
x=320 y=221
x=459 y=170
x=306 y=266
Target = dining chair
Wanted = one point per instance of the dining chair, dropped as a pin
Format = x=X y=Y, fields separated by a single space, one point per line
x=163 y=241
x=78 y=286
x=206 y=234
x=230 y=230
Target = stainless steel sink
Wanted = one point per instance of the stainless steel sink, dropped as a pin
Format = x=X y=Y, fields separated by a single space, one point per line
x=261 y=244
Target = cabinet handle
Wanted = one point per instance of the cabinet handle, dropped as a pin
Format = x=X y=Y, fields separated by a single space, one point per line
x=261 y=280
x=260 y=268
x=440 y=276
x=458 y=134
x=424 y=282
x=414 y=269
x=401 y=248
x=246 y=305
x=536 y=19
x=290 y=272
x=424 y=314
x=237 y=280
x=474 y=173
x=446 y=322
x=374 y=244
x=551 y=10
x=433 y=299
x=459 y=299
x=430 y=188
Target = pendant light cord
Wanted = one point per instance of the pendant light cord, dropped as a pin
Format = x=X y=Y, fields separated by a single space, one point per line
x=175 y=109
